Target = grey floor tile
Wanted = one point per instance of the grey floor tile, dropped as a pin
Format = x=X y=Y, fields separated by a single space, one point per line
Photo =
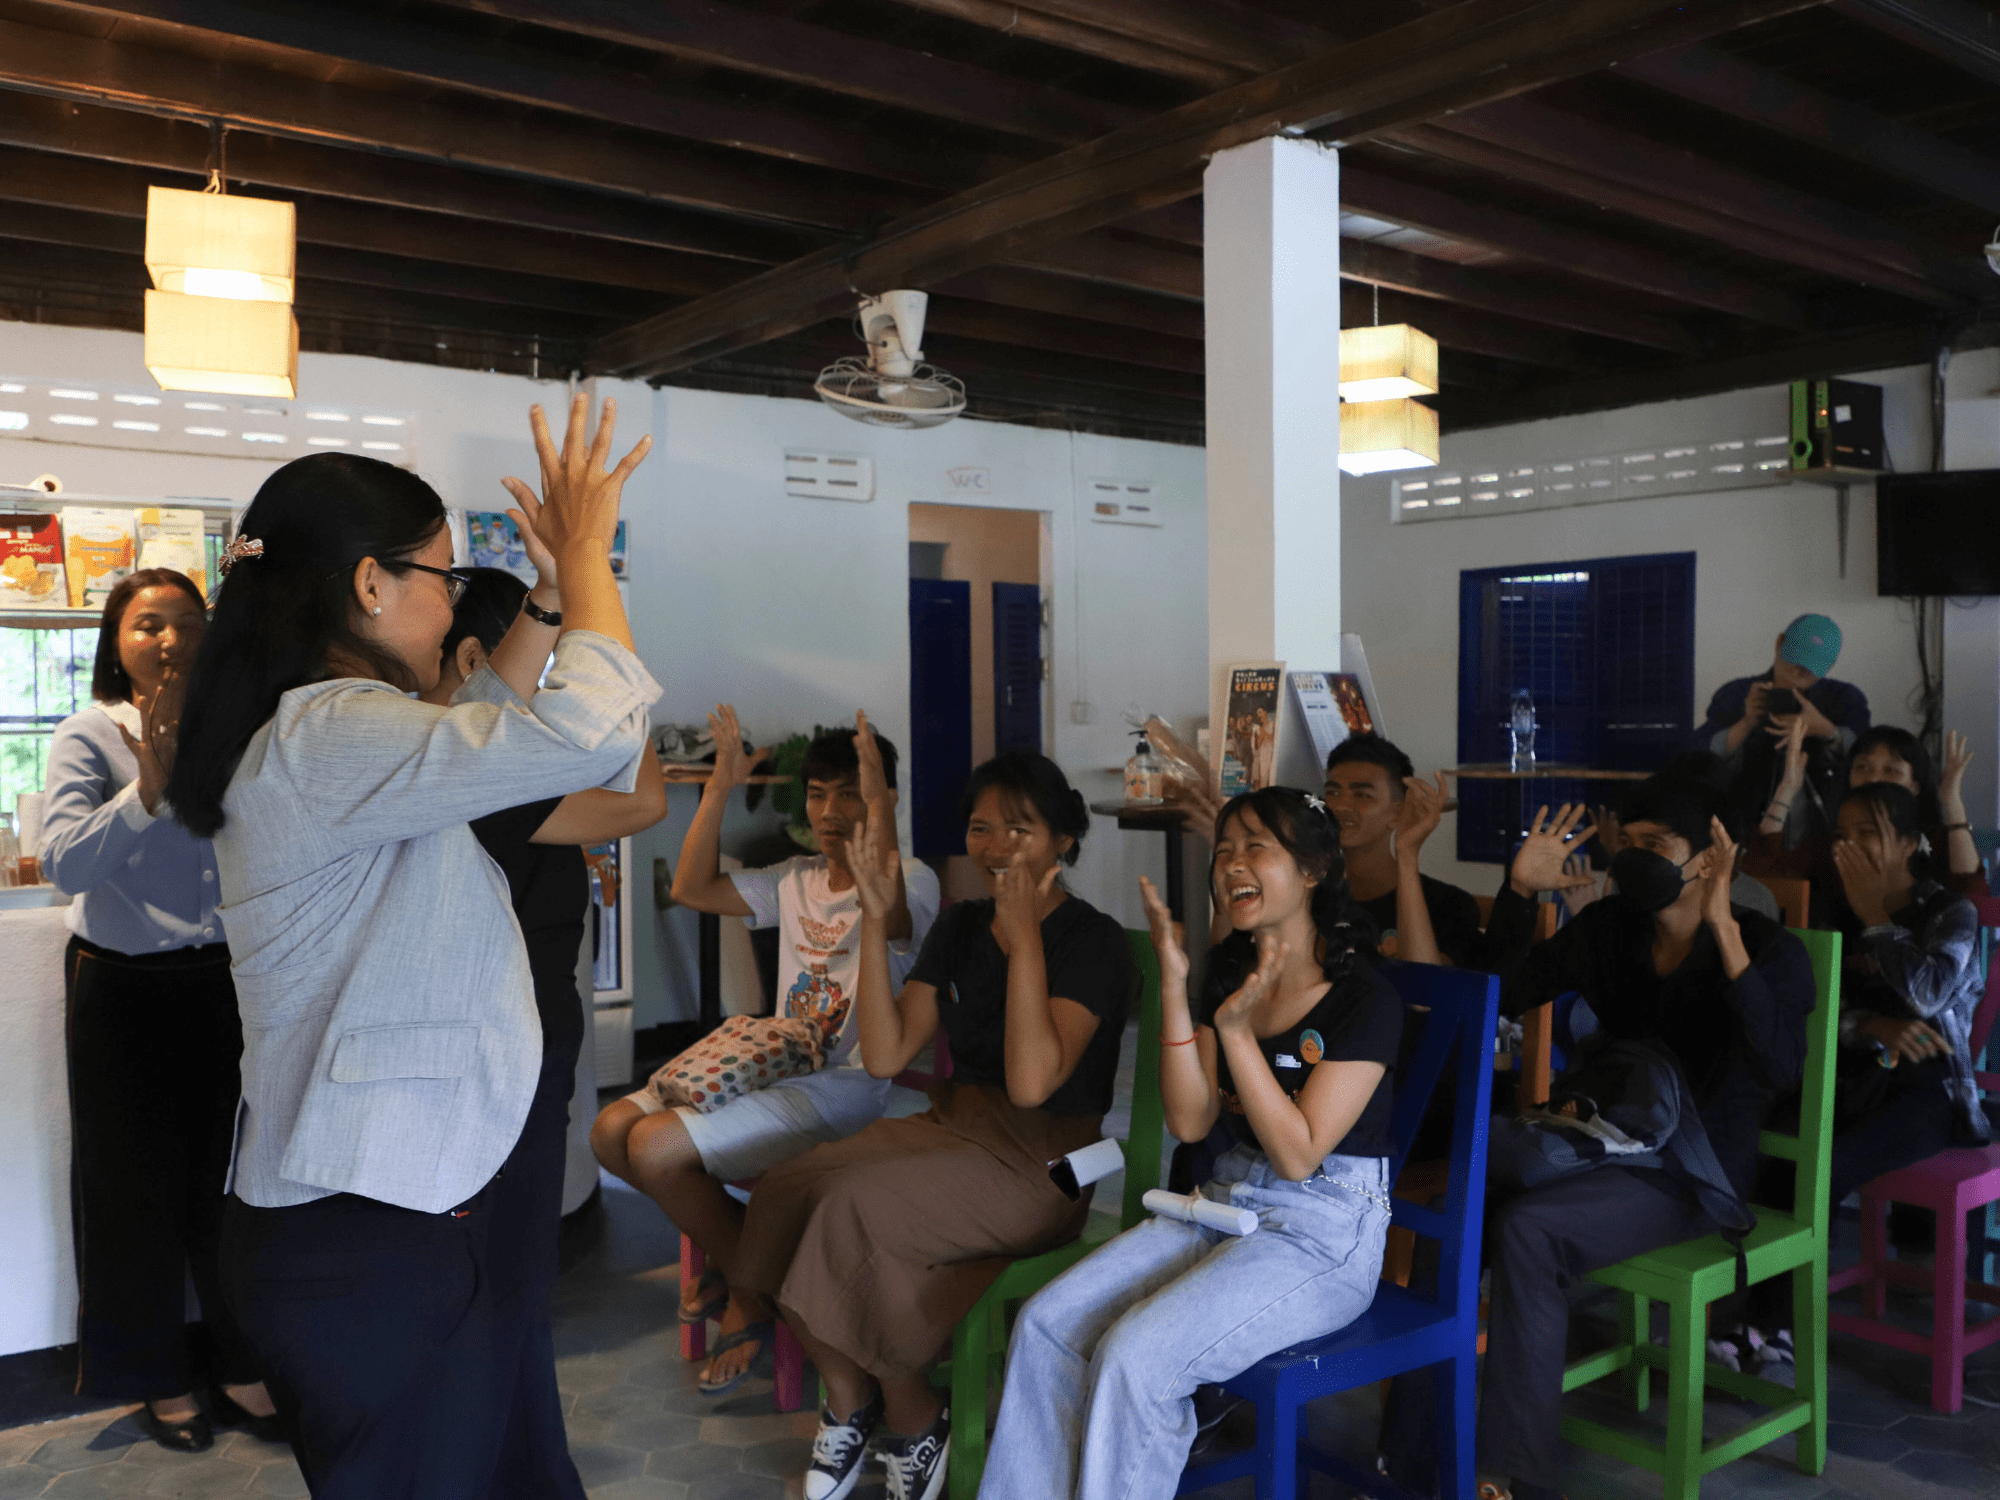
x=738 y=1487
x=654 y=1432
x=781 y=1459
x=18 y=1481
x=104 y=1482
x=645 y=1487
x=692 y=1462
x=1869 y=1444
x=281 y=1480
x=1950 y=1470
x=601 y=1463
x=619 y=1401
x=210 y=1479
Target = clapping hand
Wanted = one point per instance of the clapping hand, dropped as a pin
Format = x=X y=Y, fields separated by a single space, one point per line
x=1173 y=958
x=1419 y=813
x=1237 y=1012
x=1720 y=877
x=873 y=857
x=732 y=764
x=159 y=725
x=1540 y=863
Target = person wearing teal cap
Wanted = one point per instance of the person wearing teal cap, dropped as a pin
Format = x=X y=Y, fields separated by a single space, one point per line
x=1751 y=719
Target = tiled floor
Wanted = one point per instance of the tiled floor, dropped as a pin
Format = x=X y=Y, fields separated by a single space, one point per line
x=640 y=1431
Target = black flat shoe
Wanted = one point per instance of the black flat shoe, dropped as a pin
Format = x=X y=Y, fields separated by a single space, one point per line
x=228 y=1412
x=182 y=1434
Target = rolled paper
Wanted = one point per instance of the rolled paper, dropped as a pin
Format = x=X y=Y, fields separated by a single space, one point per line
x=1195 y=1209
x=1087 y=1164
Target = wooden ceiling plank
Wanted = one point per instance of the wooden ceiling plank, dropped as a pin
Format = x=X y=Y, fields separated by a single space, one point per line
x=775 y=46
x=435 y=56
x=1581 y=252
x=111 y=135
x=1475 y=332
x=1763 y=96
x=1668 y=185
x=555 y=147
x=1874 y=348
x=1511 y=296
x=32 y=183
x=1090 y=41
x=1965 y=35
x=1527 y=41
x=1237 y=36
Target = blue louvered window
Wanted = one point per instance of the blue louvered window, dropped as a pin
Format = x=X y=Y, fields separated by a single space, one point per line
x=1605 y=646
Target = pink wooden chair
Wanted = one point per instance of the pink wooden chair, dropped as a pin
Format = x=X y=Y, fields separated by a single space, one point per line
x=788 y=1360
x=1952 y=1184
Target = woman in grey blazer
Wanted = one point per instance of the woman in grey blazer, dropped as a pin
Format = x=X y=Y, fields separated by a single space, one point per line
x=391 y=1044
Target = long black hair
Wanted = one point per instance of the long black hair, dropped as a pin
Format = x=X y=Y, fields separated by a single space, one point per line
x=109 y=681
x=1306 y=831
x=1899 y=805
x=282 y=616
x=491 y=600
x=1026 y=778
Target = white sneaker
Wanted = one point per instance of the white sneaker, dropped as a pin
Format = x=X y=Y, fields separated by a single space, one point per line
x=915 y=1467
x=838 y=1448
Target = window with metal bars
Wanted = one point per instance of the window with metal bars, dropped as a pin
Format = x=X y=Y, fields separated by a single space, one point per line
x=1606 y=648
x=44 y=678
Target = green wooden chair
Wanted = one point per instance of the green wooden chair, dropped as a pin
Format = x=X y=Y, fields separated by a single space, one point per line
x=979 y=1346
x=1689 y=1277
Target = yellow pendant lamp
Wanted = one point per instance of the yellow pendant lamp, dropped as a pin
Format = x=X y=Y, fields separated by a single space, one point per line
x=220 y=316
x=1380 y=364
x=1381 y=428
x=1377 y=437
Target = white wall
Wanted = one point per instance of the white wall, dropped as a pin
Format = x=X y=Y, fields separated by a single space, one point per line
x=1762 y=557
x=795 y=610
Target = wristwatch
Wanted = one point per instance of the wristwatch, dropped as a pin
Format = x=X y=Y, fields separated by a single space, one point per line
x=535 y=612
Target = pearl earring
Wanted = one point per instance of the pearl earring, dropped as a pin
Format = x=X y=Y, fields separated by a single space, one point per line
x=378 y=609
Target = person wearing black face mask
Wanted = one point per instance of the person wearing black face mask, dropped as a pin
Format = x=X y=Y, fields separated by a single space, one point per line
x=1670 y=960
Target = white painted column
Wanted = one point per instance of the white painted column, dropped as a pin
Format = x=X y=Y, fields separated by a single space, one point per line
x=1271 y=281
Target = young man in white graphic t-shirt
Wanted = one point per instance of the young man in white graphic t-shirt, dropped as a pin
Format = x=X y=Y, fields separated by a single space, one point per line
x=680 y=1157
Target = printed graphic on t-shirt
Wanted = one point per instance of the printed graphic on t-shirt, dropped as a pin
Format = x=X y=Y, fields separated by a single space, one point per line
x=823 y=934
x=1311 y=1046
x=816 y=995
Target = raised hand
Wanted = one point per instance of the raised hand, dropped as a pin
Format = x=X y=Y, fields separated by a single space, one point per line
x=525 y=513
x=732 y=764
x=159 y=726
x=580 y=495
x=1017 y=902
x=1721 y=875
x=1160 y=921
x=1610 y=832
x=1576 y=898
x=1790 y=732
x=1951 y=785
x=875 y=860
x=874 y=780
x=1539 y=864
x=1419 y=813
x=1240 y=1009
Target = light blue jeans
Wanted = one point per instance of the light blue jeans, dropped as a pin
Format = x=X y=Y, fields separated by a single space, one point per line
x=1105 y=1359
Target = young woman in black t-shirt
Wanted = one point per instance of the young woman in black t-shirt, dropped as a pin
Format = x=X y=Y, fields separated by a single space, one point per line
x=874 y=1247
x=1297 y=1038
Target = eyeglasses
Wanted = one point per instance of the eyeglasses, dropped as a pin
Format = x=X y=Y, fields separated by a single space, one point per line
x=456 y=580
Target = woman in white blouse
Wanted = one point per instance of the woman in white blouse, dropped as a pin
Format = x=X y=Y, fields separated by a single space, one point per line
x=391 y=1044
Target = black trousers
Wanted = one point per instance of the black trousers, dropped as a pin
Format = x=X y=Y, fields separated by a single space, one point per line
x=1540 y=1244
x=153 y=1043
x=410 y=1353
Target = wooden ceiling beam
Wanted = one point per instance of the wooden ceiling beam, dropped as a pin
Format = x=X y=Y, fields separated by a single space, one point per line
x=1086 y=40
x=1666 y=185
x=32 y=184
x=1879 y=347
x=1763 y=96
x=436 y=55
x=111 y=135
x=775 y=46
x=1067 y=297
x=1580 y=252
x=1475 y=332
x=1965 y=35
x=961 y=317
x=1554 y=305
x=1237 y=36
x=464 y=133
x=1473 y=52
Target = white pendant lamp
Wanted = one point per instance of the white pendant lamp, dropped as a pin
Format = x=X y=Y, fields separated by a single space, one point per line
x=1377 y=437
x=220 y=316
x=1380 y=364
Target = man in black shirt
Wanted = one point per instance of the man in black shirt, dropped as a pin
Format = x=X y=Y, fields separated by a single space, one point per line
x=1668 y=960
x=1385 y=814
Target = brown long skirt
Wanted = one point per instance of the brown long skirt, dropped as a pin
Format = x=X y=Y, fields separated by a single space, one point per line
x=881 y=1243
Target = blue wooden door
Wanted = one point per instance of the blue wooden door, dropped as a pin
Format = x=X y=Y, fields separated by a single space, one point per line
x=1017 y=666
x=940 y=713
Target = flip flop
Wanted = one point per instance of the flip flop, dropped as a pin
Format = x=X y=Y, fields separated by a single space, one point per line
x=712 y=1290
x=755 y=1333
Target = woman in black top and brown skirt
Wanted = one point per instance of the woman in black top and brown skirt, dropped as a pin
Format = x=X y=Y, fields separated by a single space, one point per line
x=876 y=1246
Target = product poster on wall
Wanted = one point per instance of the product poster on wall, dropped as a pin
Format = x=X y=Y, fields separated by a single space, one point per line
x=1249 y=757
x=493 y=541
x=1333 y=706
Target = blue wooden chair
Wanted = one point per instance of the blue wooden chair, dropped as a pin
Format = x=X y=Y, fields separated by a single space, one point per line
x=1402 y=1330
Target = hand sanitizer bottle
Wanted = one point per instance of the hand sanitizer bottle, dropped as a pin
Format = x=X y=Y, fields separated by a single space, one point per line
x=1142 y=774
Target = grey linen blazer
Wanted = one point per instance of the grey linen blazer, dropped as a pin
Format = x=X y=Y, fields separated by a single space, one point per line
x=390 y=1040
